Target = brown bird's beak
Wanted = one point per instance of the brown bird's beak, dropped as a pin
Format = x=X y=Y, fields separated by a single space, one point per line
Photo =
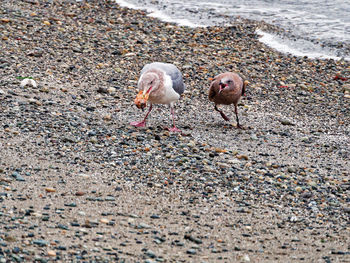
x=141 y=99
x=222 y=87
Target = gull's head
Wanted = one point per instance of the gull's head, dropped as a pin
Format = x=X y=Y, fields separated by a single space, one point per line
x=148 y=83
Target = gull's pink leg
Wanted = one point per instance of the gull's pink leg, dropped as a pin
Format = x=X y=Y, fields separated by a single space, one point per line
x=173 y=129
x=141 y=123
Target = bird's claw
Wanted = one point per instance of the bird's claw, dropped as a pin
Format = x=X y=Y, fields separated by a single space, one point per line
x=174 y=129
x=138 y=124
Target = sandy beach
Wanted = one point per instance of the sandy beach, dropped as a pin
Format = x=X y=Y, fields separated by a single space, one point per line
x=79 y=184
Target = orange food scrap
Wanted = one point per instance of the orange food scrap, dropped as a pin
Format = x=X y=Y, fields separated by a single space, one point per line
x=141 y=99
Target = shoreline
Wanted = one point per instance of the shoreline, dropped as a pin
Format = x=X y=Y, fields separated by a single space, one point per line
x=77 y=182
x=273 y=36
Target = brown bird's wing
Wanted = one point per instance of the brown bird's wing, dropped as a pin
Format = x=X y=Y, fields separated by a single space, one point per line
x=214 y=87
x=212 y=92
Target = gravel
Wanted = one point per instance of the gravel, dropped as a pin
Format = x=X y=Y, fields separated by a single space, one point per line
x=78 y=183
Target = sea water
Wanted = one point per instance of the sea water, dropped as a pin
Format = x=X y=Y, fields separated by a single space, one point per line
x=314 y=28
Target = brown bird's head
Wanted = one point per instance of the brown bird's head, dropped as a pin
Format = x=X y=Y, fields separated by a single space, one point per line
x=148 y=83
x=225 y=83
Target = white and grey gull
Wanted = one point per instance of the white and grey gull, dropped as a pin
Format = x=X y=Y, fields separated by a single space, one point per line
x=159 y=83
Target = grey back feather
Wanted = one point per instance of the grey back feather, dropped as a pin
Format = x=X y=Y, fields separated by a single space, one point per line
x=172 y=71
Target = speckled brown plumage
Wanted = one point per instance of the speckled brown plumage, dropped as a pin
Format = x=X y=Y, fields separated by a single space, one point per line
x=227 y=88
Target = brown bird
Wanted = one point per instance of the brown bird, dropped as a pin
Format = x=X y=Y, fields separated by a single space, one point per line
x=227 y=88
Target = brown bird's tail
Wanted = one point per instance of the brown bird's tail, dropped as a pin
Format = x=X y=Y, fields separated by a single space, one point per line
x=245 y=84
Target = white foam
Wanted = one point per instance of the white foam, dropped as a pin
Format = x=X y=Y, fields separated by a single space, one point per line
x=164 y=17
x=160 y=15
x=283 y=46
x=126 y=4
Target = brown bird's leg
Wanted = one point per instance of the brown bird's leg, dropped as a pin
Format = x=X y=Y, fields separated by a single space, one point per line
x=173 y=129
x=222 y=114
x=238 y=125
x=141 y=123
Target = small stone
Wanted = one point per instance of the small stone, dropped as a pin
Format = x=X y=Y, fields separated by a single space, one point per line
x=107 y=117
x=10 y=239
x=81 y=213
x=17 y=176
x=242 y=156
x=143 y=226
x=71 y=205
x=298 y=189
x=104 y=220
x=61 y=226
x=150 y=254
x=223 y=165
x=346 y=87
x=51 y=253
x=111 y=90
x=286 y=122
x=16 y=250
x=193 y=239
x=292 y=170
x=254 y=137
x=50 y=190
x=5 y=20
x=234 y=161
x=191 y=251
x=110 y=198
x=246 y=258
x=102 y=90
x=40 y=242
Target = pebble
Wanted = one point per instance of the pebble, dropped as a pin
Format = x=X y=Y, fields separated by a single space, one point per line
x=17 y=176
x=191 y=251
x=29 y=82
x=286 y=122
x=143 y=226
x=40 y=242
x=104 y=220
x=51 y=253
x=246 y=258
x=150 y=254
x=193 y=239
x=71 y=205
